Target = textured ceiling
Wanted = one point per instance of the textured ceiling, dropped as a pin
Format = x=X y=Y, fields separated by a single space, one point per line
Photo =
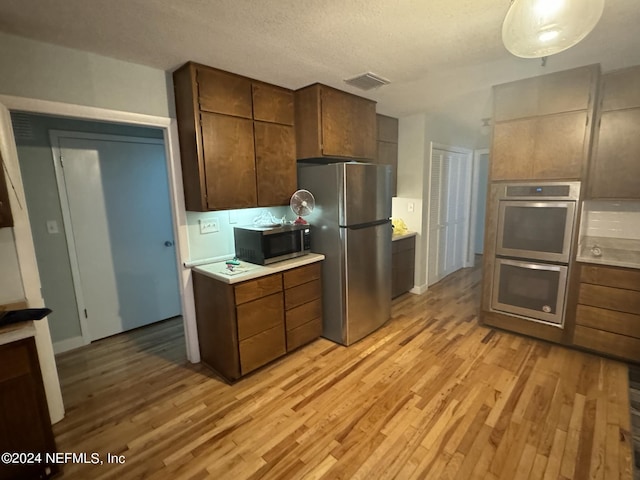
x=430 y=50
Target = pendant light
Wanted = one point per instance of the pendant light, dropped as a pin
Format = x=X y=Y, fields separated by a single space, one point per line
x=538 y=28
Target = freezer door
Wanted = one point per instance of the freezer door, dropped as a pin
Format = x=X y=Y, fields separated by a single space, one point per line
x=367 y=280
x=365 y=195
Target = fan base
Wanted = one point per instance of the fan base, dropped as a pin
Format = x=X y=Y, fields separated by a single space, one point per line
x=300 y=221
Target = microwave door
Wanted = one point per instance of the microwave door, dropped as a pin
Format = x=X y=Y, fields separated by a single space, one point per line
x=535 y=230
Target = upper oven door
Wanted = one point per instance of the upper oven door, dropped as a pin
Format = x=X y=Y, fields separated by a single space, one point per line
x=535 y=230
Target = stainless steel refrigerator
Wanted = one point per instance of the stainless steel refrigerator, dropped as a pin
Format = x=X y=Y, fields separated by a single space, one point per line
x=351 y=226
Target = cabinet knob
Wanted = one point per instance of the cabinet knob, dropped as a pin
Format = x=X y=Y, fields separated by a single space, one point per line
x=168 y=243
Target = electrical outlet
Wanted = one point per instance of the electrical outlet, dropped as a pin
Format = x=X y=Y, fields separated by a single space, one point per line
x=410 y=207
x=209 y=225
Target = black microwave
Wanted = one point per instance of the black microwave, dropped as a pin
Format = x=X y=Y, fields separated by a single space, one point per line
x=264 y=245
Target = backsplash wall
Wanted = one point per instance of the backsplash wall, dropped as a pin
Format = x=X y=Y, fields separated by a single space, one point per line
x=220 y=245
x=611 y=219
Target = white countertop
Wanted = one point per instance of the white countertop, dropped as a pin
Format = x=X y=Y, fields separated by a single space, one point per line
x=395 y=237
x=617 y=252
x=248 y=271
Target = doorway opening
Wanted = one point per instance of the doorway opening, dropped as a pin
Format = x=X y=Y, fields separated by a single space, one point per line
x=100 y=212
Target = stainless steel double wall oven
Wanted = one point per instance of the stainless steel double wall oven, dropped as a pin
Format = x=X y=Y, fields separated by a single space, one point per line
x=533 y=247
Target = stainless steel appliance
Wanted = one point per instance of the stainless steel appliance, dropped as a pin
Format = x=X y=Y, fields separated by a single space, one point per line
x=536 y=224
x=269 y=244
x=351 y=226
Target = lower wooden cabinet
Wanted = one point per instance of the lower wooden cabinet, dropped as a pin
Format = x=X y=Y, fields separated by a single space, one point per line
x=403 y=252
x=25 y=425
x=608 y=312
x=246 y=325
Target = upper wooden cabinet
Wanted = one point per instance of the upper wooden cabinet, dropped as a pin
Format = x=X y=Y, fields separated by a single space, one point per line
x=6 y=219
x=559 y=92
x=237 y=140
x=543 y=125
x=615 y=167
x=387 y=128
x=333 y=123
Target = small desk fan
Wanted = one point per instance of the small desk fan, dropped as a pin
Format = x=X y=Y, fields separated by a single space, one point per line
x=302 y=204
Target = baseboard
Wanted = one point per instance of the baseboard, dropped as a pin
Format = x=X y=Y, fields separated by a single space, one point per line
x=419 y=289
x=68 y=344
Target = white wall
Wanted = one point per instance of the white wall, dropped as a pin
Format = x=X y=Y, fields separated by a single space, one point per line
x=48 y=72
x=207 y=246
x=611 y=219
x=10 y=284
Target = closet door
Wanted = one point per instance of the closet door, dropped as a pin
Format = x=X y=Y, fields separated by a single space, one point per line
x=449 y=213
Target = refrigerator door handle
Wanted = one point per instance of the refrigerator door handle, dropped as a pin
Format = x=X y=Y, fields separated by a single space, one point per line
x=366 y=225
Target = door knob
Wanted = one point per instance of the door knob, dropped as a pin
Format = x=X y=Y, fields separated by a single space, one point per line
x=168 y=243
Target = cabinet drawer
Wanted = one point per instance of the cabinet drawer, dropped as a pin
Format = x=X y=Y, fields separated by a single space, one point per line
x=611 y=277
x=260 y=287
x=223 y=92
x=301 y=275
x=262 y=348
x=304 y=293
x=303 y=314
x=260 y=315
x=606 y=342
x=617 y=299
x=609 y=320
x=304 y=334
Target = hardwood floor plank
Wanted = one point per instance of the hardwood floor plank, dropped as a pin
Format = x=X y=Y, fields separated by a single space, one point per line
x=431 y=394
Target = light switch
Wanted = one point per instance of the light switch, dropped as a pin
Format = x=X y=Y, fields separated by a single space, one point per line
x=209 y=225
x=410 y=207
x=52 y=226
x=233 y=216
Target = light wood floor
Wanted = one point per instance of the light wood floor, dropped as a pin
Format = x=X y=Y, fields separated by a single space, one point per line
x=430 y=395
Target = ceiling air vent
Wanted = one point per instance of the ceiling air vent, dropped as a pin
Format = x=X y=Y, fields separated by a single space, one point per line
x=367 y=81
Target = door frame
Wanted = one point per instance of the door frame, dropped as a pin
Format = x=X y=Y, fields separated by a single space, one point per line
x=54 y=137
x=169 y=127
x=475 y=185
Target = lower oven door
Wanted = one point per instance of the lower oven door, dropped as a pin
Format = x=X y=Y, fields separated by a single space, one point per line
x=532 y=290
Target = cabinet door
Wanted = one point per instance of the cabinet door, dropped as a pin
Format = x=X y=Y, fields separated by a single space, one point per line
x=275 y=163
x=559 y=146
x=272 y=104
x=229 y=161
x=566 y=91
x=223 y=92
x=348 y=125
x=25 y=425
x=616 y=162
x=6 y=219
x=388 y=155
x=387 y=128
x=621 y=89
x=512 y=150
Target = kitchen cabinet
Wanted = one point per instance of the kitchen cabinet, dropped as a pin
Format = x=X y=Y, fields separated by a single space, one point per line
x=245 y=325
x=237 y=140
x=387 y=128
x=542 y=126
x=615 y=167
x=6 y=218
x=25 y=425
x=303 y=304
x=403 y=252
x=333 y=123
x=608 y=311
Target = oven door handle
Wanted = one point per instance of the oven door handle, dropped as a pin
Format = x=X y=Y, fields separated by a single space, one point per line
x=530 y=266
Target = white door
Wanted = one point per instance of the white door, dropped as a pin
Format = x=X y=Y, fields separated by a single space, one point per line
x=449 y=213
x=120 y=230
